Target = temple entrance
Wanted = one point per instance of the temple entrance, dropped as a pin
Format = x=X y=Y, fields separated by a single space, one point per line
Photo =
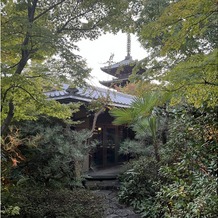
x=106 y=151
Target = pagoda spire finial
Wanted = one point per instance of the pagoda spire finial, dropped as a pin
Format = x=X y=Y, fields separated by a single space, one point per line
x=128 y=46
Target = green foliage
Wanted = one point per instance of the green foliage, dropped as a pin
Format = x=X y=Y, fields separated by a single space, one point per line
x=185 y=180
x=143 y=117
x=181 y=38
x=138 y=182
x=132 y=148
x=192 y=189
x=39 y=50
x=11 y=211
x=38 y=201
x=181 y=22
x=46 y=157
x=195 y=79
x=189 y=199
x=141 y=107
x=146 y=134
x=51 y=153
x=53 y=27
x=28 y=91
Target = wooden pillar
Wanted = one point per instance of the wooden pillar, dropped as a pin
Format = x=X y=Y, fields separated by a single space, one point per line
x=116 y=144
x=104 y=146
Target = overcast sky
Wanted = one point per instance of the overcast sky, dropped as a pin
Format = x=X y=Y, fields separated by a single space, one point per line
x=98 y=52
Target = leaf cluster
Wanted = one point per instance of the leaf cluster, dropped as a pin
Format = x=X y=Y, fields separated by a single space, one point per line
x=181 y=39
x=50 y=151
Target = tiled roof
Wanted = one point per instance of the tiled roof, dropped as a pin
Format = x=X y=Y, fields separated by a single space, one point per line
x=124 y=62
x=89 y=93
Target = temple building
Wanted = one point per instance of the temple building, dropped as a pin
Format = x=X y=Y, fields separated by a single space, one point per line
x=121 y=70
x=109 y=136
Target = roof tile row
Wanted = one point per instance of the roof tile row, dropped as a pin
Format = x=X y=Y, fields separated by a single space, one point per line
x=89 y=93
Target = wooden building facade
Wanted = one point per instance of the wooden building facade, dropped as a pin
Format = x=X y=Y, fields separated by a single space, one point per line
x=108 y=136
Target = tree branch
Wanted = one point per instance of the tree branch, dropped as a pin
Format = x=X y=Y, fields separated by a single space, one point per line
x=25 y=52
x=83 y=29
x=32 y=77
x=207 y=83
x=31 y=11
x=10 y=67
x=95 y=119
x=190 y=84
x=16 y=86
x=26 y=92
x=189 y=16
x=72 y=18
x=5 y=94
x=44 y=12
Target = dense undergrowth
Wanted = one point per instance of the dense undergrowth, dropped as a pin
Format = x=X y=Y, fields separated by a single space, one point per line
x=35 y=202
x=183 y=184
x=41 y=172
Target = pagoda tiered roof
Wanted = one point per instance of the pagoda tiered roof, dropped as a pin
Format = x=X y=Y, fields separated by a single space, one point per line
x=123 y=67
x=121 y=70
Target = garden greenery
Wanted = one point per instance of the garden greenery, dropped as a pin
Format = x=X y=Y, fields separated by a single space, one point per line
x=184 y=182
x=47 y=157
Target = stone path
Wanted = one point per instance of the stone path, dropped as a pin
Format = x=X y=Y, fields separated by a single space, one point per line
x=112 y=208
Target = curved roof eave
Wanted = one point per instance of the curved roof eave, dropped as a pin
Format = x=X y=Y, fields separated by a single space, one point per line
x=89 y=94
x=125 y=62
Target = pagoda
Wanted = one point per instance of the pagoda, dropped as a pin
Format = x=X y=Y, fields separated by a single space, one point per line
x=121 y=70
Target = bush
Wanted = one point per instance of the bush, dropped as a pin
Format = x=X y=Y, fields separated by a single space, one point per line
x=46 y=171
x=35 y=202
x=138 y=182
x=184 y=183
x=197 y=198
x=52 y=154
x=192 y=187
x=134 y=148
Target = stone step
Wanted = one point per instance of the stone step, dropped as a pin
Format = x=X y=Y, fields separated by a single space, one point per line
x=102 y=184
x=101 y=177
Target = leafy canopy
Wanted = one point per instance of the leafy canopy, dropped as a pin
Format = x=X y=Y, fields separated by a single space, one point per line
x=181 y=38
x=39 y=50
x=142 y=107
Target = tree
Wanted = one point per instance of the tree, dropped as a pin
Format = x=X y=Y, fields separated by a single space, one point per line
x=142 y=116
x=137 y=88
x=38 y=49
x=181 y=38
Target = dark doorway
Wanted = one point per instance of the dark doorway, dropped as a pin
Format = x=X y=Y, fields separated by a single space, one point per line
x=106 y=153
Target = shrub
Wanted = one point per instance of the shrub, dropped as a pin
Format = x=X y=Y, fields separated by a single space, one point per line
x=35 y=201
x=38 y=184
x=192 y=190
x=53 y=154
x=184 y=183
x=138 y=182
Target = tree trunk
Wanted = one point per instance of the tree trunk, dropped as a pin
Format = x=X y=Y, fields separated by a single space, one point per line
x=78 y=169
x=8 y=119
x=95 y=119
x=156 y=151
x=25 y=55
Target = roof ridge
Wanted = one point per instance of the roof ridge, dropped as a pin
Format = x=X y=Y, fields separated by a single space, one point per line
x=89 y=93
x=115 y=91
